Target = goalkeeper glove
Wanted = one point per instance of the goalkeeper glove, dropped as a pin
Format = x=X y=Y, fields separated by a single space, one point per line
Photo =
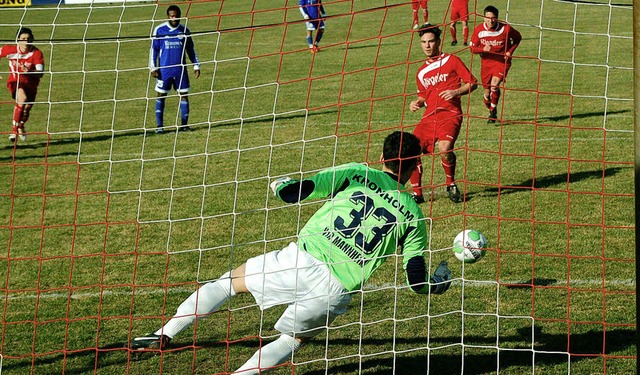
x=277 y=183
x=440 y=281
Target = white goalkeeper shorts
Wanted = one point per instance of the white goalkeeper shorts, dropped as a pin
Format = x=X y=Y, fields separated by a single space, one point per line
x=295 y=278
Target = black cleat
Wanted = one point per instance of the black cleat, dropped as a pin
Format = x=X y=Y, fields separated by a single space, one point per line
x=150 y=342
x=184 y=128
x=454 y=193
x=159 y=130
x=454 y=43
x=418 y=198
x=493 y=116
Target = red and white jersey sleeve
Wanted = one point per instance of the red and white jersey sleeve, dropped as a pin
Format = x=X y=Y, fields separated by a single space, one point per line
x=20 y=63
x=447 y=72
x=502 y=39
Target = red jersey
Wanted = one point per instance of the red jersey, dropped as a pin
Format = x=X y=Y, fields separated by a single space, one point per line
x=19 y=63
x=446 y=72
x=502 y=39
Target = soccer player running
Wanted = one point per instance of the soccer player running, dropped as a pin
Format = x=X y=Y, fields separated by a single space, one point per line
x=367 y=218
x=313 y=11
x=26 y=66
x=169 y=47
x=459 y=12
x=441 y=80
x=416 y=5
x=495 y=41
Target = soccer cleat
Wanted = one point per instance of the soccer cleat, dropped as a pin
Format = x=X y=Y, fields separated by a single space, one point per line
x=150 y=342
x=22 y=134
x=493 y=115
x=454 y=42
x=418 y=198
x=465 y=44
x=416 y=26
x=440 y=281
x=159 y=130
x=12 y=137
x=184 y=128
x=454 y=193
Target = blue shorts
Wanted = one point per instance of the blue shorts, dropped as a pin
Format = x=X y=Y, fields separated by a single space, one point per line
x=179 y=82
x=315 y=24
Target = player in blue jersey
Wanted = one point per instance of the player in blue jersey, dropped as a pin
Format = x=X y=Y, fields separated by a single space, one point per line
x=313 y=12
x=171 y=44
x=366 y=219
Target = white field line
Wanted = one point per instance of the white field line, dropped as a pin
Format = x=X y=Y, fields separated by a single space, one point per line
x=145 y=291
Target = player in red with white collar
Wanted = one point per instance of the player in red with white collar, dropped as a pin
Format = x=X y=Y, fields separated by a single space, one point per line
x=26 y=64
x=441 y=81
x=495 y=42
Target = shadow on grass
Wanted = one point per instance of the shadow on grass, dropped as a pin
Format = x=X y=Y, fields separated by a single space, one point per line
x=541 y=119
x=51 y=146
x=545 y=182
x=550 y=350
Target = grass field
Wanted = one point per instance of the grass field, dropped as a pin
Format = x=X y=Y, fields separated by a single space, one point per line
x=108 y=227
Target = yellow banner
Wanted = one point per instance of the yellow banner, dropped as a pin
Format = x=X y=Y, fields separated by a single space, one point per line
x=15 y=3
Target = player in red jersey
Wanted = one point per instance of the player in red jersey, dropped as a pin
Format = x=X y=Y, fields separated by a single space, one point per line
x=416 y=5
x=26 y=65
x=459 y=12
x=441 y=81
x=495 y=42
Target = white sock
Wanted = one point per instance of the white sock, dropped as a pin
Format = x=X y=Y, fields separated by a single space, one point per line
x=209 y=298
x=270 y=355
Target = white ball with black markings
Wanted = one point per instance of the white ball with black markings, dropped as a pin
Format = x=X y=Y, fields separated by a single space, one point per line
x=469 y=246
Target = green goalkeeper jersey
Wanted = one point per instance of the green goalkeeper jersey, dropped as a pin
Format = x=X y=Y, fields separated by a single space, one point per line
x=365 y=222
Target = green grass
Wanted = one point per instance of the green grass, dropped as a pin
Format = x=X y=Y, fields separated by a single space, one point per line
x=108 y=228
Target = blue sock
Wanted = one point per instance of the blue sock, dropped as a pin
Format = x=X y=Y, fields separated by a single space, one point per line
x=310 y=41
x=159 y=111
x=184 y=112
x=318 y=37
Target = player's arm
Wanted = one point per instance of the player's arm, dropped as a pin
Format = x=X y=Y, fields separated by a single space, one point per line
x=154 y=53
x=303 y=9
x=422 y=97
x=475 y=46
x=414 y=244
x=39 y=64
x=324 y=184
x=191 y=52
x=514 y=37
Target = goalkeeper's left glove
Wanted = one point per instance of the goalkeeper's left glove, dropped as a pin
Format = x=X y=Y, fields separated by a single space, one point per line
x=275 y=184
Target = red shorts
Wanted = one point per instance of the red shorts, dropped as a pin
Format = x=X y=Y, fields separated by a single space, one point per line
x=440 y=125
x=29 y=90
x=493 y=68
x=419 y=3
x=459 y=12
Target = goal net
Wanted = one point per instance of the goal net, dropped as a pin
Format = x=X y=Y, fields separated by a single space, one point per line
x=107 y=226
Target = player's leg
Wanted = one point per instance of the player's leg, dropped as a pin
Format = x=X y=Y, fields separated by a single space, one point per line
x=19 y=110
x=494 y=97
x=425 y=10
x=319 y=34
x=452 y=26
x=465 y=31
x=447 y=133
x=310 y=30
x=204 y=301
x=163 y=85
x=319 y=300
x=182 y=87
x=425 y=133
x=415 y=6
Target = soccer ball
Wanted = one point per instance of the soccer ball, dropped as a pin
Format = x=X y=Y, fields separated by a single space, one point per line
x=469 y=246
